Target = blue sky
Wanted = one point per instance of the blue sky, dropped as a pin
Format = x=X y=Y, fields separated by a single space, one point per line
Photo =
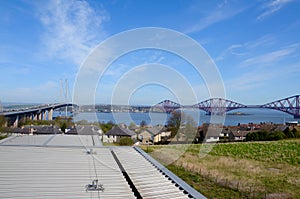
x=255 y=45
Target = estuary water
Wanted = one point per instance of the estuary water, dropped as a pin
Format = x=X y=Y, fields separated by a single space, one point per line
x=242 y=116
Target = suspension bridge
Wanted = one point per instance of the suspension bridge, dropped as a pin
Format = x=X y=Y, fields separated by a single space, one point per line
x=39 y=112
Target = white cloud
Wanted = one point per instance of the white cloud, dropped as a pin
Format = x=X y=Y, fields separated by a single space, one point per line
x=243 y=49
x=220 y=13
x=231 y=50
x=248 y=81
x=271 y=7
x=264 y=41
x=72 y=29
x=270 y=57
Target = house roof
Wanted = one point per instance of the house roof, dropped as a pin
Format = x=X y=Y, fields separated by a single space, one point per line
x=46 y=130
x=84 y=130
x=25 y=130
x=156 y=130
x=119 y=131
x=281 y=127
x=213 y=131
x=37 y=130
x=240 y=133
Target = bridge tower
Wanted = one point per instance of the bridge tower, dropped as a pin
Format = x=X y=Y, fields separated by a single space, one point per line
x=65 y=94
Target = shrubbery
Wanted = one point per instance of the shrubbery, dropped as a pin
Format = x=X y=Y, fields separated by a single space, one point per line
x=276 y=135
x=125 y=141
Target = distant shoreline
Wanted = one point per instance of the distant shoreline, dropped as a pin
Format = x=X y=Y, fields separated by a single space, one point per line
x=238 y=113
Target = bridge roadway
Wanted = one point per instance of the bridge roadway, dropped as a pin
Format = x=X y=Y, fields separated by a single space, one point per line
x=41 y=112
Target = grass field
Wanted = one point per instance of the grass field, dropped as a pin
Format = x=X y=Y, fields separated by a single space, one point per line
x=236 y=170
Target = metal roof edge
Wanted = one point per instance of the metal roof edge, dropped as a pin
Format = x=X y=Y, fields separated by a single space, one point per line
x=190 y=190
x=7 y=139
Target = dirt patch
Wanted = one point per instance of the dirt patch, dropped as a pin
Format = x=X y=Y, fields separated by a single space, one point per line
x=278 y=196
x=274 y=170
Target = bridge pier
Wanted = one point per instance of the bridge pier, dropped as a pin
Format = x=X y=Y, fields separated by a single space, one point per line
x=44 y=115
x=35 y=116
x=50 y=114
x=39 y=116
x=16 y=122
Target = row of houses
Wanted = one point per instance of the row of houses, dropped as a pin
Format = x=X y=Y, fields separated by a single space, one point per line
x=146 y=135
x=149 y=135
x=160 y=134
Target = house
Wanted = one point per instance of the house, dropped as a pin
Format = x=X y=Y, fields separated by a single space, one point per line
x=155 y=134
x=213 y=133
x=118 y=132
x=162 y=136
x=238 y=135
x=146 y=136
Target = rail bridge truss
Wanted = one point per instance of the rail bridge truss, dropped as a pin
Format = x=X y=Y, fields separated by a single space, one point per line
x=219 y=106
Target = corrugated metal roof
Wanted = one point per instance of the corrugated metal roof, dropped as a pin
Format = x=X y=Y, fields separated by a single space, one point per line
x=60 y=166
x=54 y=140
x=148 y=180
x=49 y=172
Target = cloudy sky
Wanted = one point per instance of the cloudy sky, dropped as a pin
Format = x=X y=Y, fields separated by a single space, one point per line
x=255 y=46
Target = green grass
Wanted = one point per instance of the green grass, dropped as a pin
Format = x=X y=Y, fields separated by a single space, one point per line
x=279 y=151
x=237 y=170
x=2 y=136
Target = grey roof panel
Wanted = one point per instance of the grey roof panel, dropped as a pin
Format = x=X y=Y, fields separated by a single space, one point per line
x=58 y=166
x=48 y=172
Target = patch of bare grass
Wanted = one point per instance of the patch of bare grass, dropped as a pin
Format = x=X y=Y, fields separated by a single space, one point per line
x=252 y=177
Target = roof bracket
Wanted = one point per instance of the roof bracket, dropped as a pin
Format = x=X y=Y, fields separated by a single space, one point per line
x=94 y=186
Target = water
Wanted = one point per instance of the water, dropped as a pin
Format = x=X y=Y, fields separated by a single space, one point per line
x=250 y=115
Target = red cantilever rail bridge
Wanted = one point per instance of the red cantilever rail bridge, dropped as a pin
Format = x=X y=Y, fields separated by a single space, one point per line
x=290 y=105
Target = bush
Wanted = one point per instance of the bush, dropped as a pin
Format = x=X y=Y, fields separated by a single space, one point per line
x=125 y=141
x=277 y=135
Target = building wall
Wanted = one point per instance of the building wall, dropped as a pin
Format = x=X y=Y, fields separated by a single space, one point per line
x=146 y=137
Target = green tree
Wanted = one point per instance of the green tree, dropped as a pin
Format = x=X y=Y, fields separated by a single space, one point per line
x=173 y=123
x=143 y=123
x=296 y=133
x=190 y=129
x=252 y=136
x=263 y=135
x=63 y=127
x=277 y=135
x=106 y=126
x=2 y=121
x=288 y=133
x=132 y=126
